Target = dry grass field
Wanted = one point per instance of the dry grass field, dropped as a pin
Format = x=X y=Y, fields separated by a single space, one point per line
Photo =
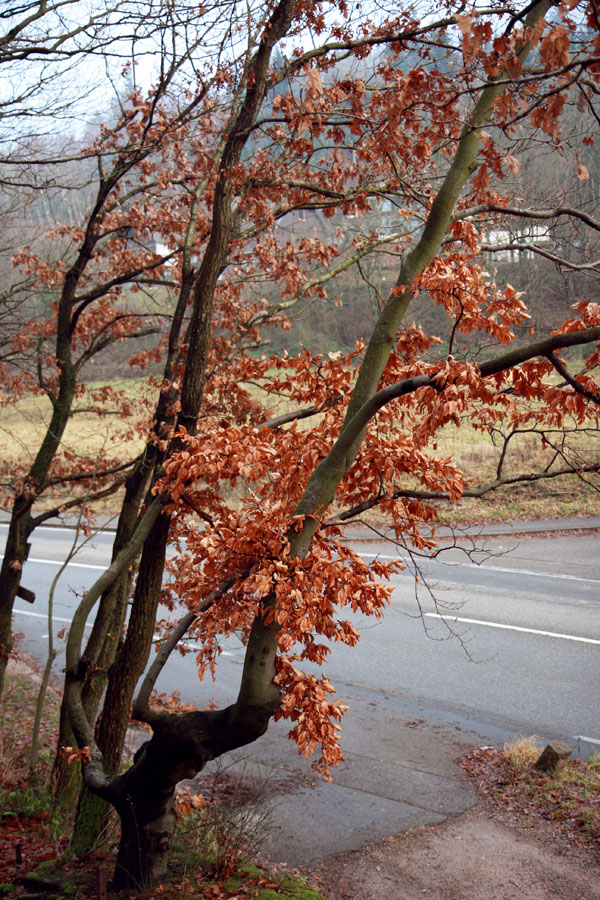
x=113 y=437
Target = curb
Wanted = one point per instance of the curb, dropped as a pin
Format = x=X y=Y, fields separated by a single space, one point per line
x=363 y=532
x=492 y=529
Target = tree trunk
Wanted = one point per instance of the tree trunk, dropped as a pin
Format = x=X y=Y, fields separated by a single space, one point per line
x=130 y=661
x=22 y=523
x=65 y=781
x=148 y=823
x=100 y=654
x=98 y=657
x=15 y=554
x=181 y=745
x=133 y=655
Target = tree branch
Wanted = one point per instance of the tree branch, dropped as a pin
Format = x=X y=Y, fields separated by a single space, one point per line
x=474 y=492
x=540 y=251
x=140 y=704
x=76 y=501
x=564 y=372
x=526 y=213
x=108 y=577
x=83 y=476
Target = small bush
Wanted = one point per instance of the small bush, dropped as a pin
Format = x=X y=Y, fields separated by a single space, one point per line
x=229 y=822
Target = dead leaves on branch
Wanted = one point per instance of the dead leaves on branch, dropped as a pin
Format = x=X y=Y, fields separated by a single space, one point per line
x=247 y=478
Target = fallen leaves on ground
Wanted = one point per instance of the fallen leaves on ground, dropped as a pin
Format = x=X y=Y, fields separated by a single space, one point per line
x=570 y=798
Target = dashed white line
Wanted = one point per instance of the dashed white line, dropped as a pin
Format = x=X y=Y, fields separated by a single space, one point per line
x=554 y=634
x=26 y=612
x=55 y=562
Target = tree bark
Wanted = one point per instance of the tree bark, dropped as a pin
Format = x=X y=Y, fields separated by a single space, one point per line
x=132 y=657
x=102 y=646
x=22 y=522
x=15 y=554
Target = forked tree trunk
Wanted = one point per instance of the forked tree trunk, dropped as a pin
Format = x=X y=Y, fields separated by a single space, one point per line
x=181 y=745
x=144 y=796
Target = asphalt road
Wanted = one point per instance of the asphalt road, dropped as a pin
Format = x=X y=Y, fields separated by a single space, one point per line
x=494 y=643
x=512 y=641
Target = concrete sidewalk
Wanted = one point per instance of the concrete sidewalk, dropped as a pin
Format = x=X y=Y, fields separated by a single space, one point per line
x=400 y=773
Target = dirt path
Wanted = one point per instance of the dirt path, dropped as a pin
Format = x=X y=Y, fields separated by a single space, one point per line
x=482 y=855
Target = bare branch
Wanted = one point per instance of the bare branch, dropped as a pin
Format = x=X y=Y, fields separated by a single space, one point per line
x=564 y=372
x=526 y=213
x=122 y=561
x=140 y=703
x=74 y=502
x=540 y=251
x=83 y=476
x=472 y=492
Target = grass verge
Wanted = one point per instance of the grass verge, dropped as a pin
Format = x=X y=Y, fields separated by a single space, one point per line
x=568 y=798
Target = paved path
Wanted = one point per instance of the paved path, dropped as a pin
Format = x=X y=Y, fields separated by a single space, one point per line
x=400 y=772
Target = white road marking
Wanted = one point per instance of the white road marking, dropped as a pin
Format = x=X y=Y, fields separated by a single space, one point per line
x=554 y=634
x=26 y=612
x=365 y=555
x=55 y=528
x=191 y=645
x=485 y=568
x=588 y=740
x=55 y=562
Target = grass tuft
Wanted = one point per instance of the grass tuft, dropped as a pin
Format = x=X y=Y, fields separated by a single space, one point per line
x=521 y=753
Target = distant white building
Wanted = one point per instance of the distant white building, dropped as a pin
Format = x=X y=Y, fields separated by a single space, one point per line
x=500 y=241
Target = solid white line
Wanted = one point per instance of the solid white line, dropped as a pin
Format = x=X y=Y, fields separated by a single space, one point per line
x=582 y=737
x=26 y=612
x=55 y=562
x=484 y=568
x=58 y=528
x=565 y=637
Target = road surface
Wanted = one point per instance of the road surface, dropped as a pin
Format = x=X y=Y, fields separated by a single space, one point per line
x=513 y=642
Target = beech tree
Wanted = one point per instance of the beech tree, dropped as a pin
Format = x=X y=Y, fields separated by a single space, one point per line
x=255 y=501
x=74 y=303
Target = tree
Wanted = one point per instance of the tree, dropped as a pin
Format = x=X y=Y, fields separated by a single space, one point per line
x=268 y=563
